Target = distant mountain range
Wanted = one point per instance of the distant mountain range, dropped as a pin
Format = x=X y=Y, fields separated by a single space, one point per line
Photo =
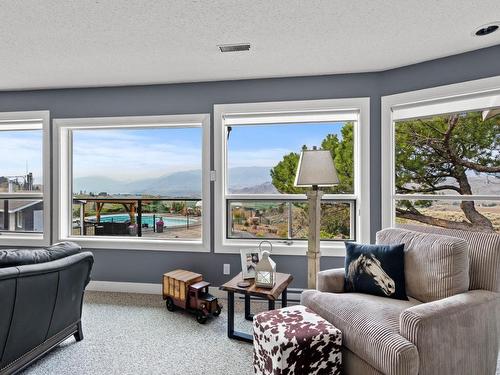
x=243 y=180
x=185 y=184
x=480 y=184
x=265 y=188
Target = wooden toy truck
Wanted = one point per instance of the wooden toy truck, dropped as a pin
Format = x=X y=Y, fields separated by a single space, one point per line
x=188 y=291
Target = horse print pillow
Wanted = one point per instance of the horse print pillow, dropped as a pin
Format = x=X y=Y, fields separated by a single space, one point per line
x=375 y=269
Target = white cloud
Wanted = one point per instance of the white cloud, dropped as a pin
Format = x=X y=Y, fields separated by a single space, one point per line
x=19 y=152
x=125 y=156
x=257 y=158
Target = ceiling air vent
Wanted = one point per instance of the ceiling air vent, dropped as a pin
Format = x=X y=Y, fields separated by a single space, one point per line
x=487 y=29
x=234 y=47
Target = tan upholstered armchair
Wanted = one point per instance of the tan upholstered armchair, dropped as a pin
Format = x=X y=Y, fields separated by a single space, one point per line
x=450 y=323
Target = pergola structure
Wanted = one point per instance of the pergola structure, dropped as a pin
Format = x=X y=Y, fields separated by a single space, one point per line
x=130 y=206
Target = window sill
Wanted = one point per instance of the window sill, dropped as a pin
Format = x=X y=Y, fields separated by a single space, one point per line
x=18 y=239
x=298 y=248
x=139 y=244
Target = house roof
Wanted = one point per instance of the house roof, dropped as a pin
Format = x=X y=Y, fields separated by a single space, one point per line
x=19 y=204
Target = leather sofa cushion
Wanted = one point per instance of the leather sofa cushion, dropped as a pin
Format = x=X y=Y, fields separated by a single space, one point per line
x=20 y=257
x=436 y=266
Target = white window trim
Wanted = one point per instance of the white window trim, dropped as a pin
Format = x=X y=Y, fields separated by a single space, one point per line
x=462 y=96
x=268 y=110
x=63 y=180
x=19 y=219
x=24 y=118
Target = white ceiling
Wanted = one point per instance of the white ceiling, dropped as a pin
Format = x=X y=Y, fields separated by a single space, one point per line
x=76 y=43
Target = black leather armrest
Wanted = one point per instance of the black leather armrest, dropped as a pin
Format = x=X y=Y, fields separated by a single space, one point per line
x=9 y=273
x=56 y=265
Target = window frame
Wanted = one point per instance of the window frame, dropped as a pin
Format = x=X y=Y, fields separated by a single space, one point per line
x=463 y=96
x=19 y=219
x=361 y=170
x=63 y=179
x=25 y=238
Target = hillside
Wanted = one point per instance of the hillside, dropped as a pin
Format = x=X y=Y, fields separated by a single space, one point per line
x=243 y=180
x=185 y=184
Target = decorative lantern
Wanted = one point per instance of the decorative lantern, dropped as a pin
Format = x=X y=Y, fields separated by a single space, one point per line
x=265 y=272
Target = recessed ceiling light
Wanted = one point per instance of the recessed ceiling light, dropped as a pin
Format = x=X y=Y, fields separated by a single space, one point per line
x=486 y=29
x=234 y=47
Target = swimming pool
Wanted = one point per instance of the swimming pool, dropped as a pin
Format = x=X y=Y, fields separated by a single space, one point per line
x=170 y=222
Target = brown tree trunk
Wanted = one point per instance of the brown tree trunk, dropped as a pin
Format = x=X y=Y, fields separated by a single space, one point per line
x=474 y=216
x=468 y=207
x=443 y=223
x=458 y=172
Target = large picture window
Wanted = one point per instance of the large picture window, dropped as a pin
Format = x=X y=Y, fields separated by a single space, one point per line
x=139 y=180
x=445 y=163
x=24 y=178
x=256 y=162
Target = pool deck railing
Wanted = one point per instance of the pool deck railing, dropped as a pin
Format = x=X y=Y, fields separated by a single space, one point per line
x=132 y=205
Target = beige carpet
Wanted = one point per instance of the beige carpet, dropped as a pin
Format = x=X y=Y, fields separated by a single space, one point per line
x=135 y=334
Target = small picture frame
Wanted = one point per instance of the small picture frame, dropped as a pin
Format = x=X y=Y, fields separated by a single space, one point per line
x=249 y=259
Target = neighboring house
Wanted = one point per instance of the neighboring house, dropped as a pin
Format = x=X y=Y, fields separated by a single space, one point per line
x=23 y=216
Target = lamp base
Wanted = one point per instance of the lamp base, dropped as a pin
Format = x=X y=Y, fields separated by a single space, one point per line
x=313 y=244
x=313 y=264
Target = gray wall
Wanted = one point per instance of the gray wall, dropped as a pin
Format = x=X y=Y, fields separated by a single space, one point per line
x=147 y=266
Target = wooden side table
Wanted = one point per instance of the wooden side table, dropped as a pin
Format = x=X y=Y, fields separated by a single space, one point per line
x=231 y=287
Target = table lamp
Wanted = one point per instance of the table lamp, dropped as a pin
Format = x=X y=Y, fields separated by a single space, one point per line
x=315 y=169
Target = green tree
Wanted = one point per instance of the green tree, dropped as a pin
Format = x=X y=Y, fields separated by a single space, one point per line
x=439 y=154
x=336 y=219
x=343 y=157
x=283 y=174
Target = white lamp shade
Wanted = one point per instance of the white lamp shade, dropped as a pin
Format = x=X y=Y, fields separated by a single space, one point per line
x=316 y=168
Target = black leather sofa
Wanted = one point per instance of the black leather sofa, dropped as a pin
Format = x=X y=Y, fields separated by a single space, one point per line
x=41 y=294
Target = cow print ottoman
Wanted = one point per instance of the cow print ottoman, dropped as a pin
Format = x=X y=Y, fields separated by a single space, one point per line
x=295 y=340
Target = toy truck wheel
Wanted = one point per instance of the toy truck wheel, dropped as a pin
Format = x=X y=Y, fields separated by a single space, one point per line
x=201 y=317
x=170 y=304
x=217 y=311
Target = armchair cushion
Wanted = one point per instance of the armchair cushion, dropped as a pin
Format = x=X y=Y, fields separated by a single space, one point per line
x=484 y=254
x=331 y=280
x=436 y=266
x=370 y=328
x=455 y=335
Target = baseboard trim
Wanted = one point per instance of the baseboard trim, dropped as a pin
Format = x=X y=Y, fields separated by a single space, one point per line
x=151 y=288
x=140 y=288
x=124 y=287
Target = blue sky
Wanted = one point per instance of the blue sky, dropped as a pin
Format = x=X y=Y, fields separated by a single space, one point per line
x=21 y=149
x=132 y=154
x=265 y=146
